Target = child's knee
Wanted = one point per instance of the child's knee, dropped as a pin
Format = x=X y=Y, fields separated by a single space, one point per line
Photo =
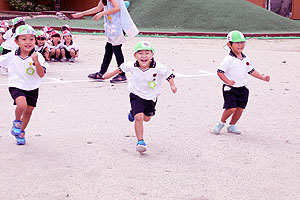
x=139 y=117
x=232 y=110
x=147 y=118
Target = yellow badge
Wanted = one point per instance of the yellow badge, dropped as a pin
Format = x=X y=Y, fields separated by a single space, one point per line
x=30 y=71
x=109 y=18
x=152 y=84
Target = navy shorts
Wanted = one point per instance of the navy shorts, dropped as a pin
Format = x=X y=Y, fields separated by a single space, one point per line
x=235 y=97
x=68 y=54
x=31 y=96
x=139 y=105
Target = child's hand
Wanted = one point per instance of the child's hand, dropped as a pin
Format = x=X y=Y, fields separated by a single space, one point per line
x=98 y=16
x=231 y=83
x=34 y=57
x=174 y=89
x=266 y=78
x=77 y=15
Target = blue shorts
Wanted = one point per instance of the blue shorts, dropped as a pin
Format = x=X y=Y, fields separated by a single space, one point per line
x=235 y=97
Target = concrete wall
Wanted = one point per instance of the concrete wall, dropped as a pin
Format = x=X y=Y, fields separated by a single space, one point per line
x=296 y=9
x=78 y=5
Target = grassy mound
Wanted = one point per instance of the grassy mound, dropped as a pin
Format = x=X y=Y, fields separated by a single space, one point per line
x=193 y=16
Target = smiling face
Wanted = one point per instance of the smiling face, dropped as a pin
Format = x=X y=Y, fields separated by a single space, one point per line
x=237 y=47
x=68 y=38
x=144 y=57
x=26 y=43
x=41 y=41
x=56 y=38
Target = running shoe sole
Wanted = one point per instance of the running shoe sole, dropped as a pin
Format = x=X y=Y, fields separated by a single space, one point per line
x=141 y=148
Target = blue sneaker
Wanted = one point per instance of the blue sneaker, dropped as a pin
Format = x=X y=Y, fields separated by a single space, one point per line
x=141 y=146
x=233 y=129
x=21 y=138
x=130 y=117
x=218 y=127
x=16 y=128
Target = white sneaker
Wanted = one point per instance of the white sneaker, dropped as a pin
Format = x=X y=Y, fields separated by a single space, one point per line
x=218 y=127
x=141 y=146
x=232 y=129
x=72 y=59
x=64 y=59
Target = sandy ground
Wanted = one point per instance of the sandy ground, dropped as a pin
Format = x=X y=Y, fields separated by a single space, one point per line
x=80 y=144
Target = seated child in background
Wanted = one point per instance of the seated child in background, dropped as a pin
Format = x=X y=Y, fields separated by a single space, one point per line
x=55 y=46
x=41 y=45
x=65 y=27
x=69 y=50
x=47 y=30
x=145 y=85
x=4 y=25
x=9 y=39
x=2 y=31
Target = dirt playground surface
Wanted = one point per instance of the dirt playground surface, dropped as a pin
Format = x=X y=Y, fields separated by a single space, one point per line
x=80 y=144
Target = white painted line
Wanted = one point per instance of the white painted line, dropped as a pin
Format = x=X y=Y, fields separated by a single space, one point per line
x=70 y=70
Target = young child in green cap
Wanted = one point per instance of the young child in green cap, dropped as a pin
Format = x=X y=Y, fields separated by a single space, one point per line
x=145 y=85
x=233 y=71
x=26 y=69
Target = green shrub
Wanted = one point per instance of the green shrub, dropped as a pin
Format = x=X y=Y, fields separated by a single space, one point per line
x=31 y=6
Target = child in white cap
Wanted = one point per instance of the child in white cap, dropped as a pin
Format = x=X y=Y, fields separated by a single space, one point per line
x=144 y=86
x=5 y=26
x=69 y=50
x=41 y=45
x=9 y=41
x=26 y=69
x=233 y=72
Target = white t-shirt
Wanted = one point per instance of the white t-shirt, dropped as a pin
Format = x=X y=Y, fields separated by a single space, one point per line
x=9 y=42
x=41 y=48
x=146 y=84
x=69 y=47
x=55 y=47
x=236 y=69
x=22 y=72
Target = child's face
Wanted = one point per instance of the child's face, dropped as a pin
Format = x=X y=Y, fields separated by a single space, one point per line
x=68 y=38
x=144 y=58
x=41 y=41
x=55 y=38
x=237 y=47
x=25 y=42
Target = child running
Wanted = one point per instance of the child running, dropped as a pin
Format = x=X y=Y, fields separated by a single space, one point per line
x=117 y=22
x=144 y=86
x=25 y=71
x=232 y=71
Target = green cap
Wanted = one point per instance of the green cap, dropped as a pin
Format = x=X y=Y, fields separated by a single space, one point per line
x=143 y=45
x=1 y=50
x=24 y=30
x=235 y=36
x=17 y=20
x=40 y=34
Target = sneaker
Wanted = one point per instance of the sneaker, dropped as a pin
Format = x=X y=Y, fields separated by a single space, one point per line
x=130 y=117
x=218 y=127
x=118 y=79
x=97 y=76
x=64 y=59
x=16 y=128
x=141 y=146
x=232 y=129
x=72 y=59
x=21 y=138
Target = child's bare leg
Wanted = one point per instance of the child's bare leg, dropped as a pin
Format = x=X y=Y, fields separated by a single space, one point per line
x=72 y=53
x=26 y=116
x=52 y=52
x=236 y=116
x=138 y=125
x=227 y=113
x=63 y=53
x=21 y=107
x=147 y=118
x=57 y=51
x=46 y=54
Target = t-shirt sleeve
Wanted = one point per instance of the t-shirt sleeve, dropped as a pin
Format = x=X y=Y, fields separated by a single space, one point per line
x=250 y=68
x=42 y=61
x=223 y=66
x=7 y=35
x=125 y=67
x=165 y=72
x=4 y=60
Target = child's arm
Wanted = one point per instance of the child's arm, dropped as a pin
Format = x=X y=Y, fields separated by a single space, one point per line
x=225 y=79
x=256 y=74
x=91 y=11
x=172 y=85
x=39 y=68
x=116 y=8
x=108 y=75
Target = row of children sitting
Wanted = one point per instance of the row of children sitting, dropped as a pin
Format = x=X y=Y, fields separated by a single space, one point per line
x=53 y=45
